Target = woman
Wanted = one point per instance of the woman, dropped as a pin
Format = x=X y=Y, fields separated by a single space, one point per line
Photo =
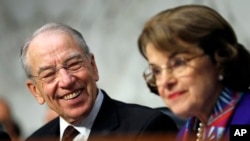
x=199 y=69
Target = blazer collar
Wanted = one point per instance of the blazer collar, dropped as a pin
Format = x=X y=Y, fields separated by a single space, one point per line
x=107 y=118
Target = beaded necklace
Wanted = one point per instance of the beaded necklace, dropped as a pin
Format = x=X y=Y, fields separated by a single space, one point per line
x=217 y=122
x=200 y=132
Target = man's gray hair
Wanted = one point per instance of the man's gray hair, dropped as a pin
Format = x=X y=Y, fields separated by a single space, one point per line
x=51 y=27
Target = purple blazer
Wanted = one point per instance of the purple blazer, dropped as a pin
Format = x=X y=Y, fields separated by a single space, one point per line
x=241 y=115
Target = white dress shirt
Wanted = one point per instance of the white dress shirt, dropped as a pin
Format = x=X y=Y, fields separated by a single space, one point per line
x=84 y=127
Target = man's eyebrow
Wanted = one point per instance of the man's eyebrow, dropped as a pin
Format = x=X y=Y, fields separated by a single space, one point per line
x=74 y=56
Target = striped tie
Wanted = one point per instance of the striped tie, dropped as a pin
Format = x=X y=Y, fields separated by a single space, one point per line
x=69 y=133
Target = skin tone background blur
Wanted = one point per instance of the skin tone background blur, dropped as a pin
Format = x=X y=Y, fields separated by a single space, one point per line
x=111 y=29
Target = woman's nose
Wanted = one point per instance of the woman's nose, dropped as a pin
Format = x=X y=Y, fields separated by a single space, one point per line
x=166 y=78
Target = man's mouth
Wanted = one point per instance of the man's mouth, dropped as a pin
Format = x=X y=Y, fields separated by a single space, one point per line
x=72 y=95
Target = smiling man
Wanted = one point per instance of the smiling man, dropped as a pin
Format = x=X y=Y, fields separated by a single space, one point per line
x=62 y=73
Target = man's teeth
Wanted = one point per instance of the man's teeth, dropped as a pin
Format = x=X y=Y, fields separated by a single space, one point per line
x=72 y=95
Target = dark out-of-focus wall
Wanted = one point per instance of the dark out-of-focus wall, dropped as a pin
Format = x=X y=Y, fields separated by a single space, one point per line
x=111 y=28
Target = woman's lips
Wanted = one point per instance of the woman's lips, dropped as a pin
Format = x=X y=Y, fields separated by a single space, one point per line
x=174 y=95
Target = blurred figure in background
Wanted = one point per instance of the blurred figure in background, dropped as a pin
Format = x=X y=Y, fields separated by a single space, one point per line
x=4 y=135
x=199 y=69
x=8 y=122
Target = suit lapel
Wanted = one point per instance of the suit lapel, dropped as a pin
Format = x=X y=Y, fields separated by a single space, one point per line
x=107 y=118
x=54 y=130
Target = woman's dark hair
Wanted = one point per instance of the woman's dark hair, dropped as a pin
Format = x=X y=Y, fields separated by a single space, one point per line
x=204 y=27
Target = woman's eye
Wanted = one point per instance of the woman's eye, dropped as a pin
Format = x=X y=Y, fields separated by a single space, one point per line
x=156 y=71
x=178 y=62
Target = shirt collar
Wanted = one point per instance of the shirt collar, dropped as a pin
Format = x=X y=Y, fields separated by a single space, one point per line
x=85 y=125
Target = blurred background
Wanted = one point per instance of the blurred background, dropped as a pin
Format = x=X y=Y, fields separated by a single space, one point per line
x=111 y=29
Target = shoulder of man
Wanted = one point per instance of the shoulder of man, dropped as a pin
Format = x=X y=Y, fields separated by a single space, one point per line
x=48 y=132
x=140 y=116
x=4 y=136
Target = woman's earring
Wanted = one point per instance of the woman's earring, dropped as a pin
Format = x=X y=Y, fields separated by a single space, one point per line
x=221 y=77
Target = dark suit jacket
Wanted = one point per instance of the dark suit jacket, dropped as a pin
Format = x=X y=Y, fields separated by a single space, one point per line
x=4 y=136
x=117 y=121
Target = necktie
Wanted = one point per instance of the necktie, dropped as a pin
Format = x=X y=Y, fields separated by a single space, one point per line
x=69 y=133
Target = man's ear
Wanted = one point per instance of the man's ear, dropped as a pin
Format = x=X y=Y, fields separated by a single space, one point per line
x=35 y=91
x=94 y=67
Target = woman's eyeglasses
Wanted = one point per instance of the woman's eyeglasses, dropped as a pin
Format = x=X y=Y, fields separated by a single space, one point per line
x=177 y=66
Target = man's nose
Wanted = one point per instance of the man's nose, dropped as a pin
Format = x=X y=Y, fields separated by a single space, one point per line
x=64 y=77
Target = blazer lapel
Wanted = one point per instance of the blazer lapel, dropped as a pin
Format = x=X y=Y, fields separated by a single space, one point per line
x=242 y=107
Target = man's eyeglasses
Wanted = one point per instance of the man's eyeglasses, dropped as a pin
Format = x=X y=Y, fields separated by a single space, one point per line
x=50 y=74
x=176 y=66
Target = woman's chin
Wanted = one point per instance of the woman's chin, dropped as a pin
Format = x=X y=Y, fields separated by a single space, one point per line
x=180 y=113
